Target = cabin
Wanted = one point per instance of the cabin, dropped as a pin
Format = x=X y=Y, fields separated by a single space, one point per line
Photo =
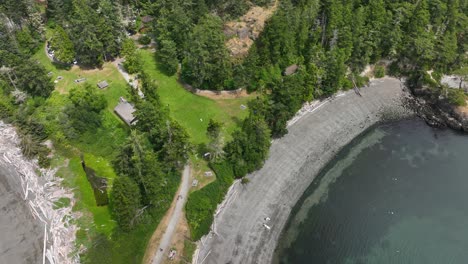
x=125 y=111
x=102 y=84
x=290 y=70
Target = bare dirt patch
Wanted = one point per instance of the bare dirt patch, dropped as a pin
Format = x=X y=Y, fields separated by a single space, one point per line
x=242 y=33
x=463 y=110
x=217 y=95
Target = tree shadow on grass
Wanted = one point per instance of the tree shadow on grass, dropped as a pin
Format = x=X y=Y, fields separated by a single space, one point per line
x=237 y=121
x=161 y=68
x=61 y=66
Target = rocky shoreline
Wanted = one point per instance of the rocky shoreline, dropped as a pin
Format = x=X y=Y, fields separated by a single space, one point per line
x=249 y=223
x=438 y=112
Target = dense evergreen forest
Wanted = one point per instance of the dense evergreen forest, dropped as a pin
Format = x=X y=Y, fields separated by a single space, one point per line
x=331 y=41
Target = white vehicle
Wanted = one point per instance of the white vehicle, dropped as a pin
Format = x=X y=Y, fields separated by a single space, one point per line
x=266 y=226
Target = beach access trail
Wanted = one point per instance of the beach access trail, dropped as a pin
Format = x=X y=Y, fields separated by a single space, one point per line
x=175 y=213
x=239 y=234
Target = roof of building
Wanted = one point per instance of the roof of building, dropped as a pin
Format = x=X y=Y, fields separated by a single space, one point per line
x=125 y=111
x=102 y=84
x=291 y=69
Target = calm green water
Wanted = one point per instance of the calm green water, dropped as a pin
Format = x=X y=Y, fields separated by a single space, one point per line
x=398 y=194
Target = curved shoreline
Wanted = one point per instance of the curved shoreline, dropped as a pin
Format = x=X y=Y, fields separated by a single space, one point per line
x=238 y=234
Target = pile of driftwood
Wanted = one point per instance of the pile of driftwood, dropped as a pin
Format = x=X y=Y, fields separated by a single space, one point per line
x=309 y=107
x=41 y=190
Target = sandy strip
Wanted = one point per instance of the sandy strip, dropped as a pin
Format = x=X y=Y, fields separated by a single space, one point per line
x=317 y=133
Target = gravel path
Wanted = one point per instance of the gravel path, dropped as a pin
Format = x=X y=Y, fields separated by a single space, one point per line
x=175 y=217
x=240 y=235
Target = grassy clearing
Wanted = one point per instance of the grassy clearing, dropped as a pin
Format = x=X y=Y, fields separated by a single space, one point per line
x=202 y=204
x=98 y=233
x=199 y=167
x=192 y=111
x=75 y=177
x=97 y=229
x=117 y=85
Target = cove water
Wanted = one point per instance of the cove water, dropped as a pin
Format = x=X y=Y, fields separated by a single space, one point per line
x=397 y=194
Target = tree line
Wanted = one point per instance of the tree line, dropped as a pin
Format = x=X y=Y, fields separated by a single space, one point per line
x=155 y=151
x=330 y=40
x=90 y=31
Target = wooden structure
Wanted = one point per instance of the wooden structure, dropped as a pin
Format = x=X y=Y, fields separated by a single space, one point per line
x=125 y=111
x=102 y=84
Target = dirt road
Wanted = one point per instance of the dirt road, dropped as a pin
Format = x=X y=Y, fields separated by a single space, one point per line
x=181 y=197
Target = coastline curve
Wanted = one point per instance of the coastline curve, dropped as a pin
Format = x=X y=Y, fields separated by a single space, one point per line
x=239 y=234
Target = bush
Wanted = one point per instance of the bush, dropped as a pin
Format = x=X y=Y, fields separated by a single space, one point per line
x=361 y=80
x=347 y=84
x=202 y=204
x=43 y=161
x=132 y=63
x=457 y=97
x=144 y=40
x=394 y=69
x=379 y=71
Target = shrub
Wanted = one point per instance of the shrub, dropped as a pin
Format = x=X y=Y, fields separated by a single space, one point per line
x=245 y=180
x=144 y=40
x=347 y=84
x=361 y=80
x=43 y=161
x=379 y=71
x=457 y=97
x=394 y=69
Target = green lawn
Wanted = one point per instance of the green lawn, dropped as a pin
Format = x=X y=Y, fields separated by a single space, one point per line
x=97 y=229
x=192 y=111
x=98 y=147
x=75 y=177
x=117 y=84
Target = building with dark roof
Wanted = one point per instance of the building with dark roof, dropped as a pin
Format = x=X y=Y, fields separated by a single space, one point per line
x=125 y=111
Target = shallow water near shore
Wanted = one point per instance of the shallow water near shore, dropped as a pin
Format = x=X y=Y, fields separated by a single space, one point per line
x=396 y=194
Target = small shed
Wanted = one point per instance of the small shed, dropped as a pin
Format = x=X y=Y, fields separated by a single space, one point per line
x=147 y=19
x=125 y=111
x=291 y=69
x=102 y=84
